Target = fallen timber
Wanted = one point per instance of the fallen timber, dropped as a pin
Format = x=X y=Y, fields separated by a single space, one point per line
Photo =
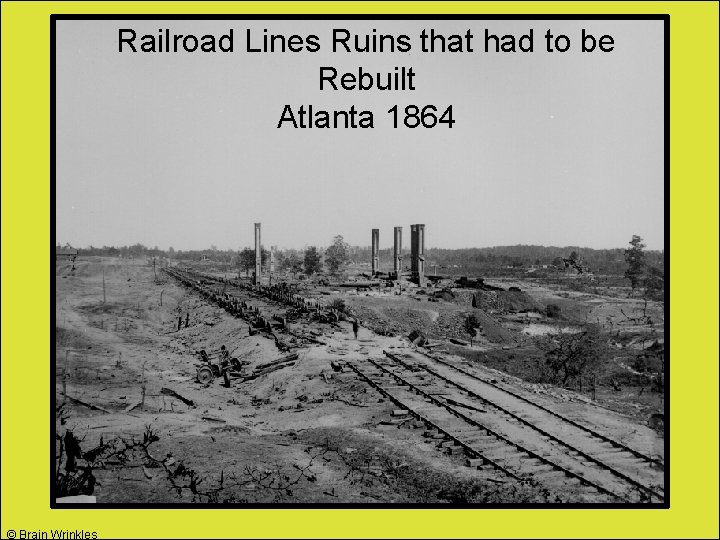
x=173 y=393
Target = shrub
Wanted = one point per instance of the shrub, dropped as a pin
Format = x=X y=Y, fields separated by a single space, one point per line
x=552 y=311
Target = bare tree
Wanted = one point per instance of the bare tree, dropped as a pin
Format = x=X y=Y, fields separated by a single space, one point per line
x=570 y=356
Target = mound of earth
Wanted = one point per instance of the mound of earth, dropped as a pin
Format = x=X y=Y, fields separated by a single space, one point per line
x=436 y=322
x=392 y=321
x=444 y=294
x=451 y=324
x=503 y=301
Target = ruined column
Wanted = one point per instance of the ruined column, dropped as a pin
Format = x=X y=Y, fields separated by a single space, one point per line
x=397 y=253
x=258 y=255
x=375 y=251
x=421 y=254
x=413 y=252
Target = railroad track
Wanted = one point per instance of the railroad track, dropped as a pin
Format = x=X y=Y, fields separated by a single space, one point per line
x=522 y=401
x=638 y=470
x=493 y=436
x=644 y=472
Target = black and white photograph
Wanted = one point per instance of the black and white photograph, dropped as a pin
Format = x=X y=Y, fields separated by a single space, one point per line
x=369 y=261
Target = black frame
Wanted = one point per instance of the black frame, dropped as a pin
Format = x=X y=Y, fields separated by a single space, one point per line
x=318 y=506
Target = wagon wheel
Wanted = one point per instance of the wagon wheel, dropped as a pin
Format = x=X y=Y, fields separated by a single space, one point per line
x=204 y=375
x=236 y=364
x=226 y=378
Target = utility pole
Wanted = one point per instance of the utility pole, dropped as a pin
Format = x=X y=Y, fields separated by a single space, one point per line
x=103 y=277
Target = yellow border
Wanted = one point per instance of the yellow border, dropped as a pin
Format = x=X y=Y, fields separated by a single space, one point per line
x=694 y=300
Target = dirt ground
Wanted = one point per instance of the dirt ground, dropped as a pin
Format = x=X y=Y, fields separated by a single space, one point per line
x=307 y=433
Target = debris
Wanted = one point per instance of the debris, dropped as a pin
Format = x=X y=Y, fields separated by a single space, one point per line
x=496 y=480
x=276 y=362
x=393 y=422
x=417 y=338
x=132 y=406
x=444 y=294
x=88 y=405
x=464 y=405
x=349 y=403
x=214 y=419
x=257 y=374
x=173 y=393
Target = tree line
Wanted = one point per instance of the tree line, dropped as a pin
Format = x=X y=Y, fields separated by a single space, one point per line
x=642 y=267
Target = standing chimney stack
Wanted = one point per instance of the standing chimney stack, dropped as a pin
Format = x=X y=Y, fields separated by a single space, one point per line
x=397 y=253
x=375 y=251
x=421 y=254
x=413 y=252
x=417 y=253
x=258 y=256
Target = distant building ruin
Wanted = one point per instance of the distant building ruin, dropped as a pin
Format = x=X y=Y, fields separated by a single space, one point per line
x=65 y=253
x=417 y=253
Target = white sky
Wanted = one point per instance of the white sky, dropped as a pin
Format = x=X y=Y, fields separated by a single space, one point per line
x=182 y=150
